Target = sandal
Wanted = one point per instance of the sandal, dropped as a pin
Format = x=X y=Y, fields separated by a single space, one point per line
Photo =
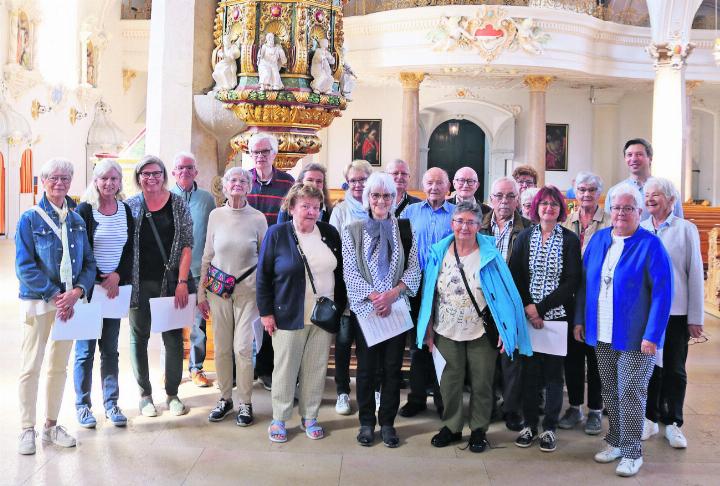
x=277 y=432
x=312 y=429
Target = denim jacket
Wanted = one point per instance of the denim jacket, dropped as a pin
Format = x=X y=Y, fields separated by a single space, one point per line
x=38 y=252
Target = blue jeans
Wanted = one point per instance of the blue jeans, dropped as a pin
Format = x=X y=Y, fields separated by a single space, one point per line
x=198 y=339
x=84 y=357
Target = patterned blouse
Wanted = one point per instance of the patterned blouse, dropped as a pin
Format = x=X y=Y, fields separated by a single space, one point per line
x=546 y=265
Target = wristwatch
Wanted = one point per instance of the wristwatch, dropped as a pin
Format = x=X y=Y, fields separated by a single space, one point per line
x=82 y=290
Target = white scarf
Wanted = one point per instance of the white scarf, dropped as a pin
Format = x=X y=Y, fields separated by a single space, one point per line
x=65 y=262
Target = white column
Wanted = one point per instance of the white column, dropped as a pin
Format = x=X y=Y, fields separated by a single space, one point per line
x=536 y=127
x=410 y=119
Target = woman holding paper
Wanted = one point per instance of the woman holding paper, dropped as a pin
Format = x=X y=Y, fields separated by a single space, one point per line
x=381 y=268
x=163 y=232
x=623 y=308
x=55 y=266
x=228 y=294
x=110 y=229
x=300 y=261
x=461 y=325
x=546 y=266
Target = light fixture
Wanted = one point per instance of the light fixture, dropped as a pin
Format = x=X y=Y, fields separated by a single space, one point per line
x=103 y=131
x=454 y=128
x=76 y=115
x=592 y=95
x=14 y=129
x=37 y=109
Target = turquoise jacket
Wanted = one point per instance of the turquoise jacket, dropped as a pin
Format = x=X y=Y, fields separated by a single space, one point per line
x=497 y=285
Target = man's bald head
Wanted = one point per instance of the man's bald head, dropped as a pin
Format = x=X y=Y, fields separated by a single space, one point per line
x=466 y=183
x=436 y=185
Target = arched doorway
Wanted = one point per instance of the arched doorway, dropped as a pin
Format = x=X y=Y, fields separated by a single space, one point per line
x=458 y=143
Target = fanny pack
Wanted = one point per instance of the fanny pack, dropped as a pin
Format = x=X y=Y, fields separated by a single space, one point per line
x=223 y=284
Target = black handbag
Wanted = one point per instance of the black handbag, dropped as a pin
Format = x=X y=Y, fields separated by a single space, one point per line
x=171 y=276
x=485 y=315
x=325 y=313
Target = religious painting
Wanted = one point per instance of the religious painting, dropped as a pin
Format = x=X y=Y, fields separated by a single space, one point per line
x=89 y=64
x=367 y=141
x=556 y=147
x=24 y=41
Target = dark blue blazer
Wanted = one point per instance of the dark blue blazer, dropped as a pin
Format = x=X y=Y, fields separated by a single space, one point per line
x=281 y=275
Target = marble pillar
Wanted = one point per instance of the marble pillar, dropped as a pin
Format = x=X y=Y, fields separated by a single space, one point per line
x=535 y=142
x=410 y=121
x=687 y=190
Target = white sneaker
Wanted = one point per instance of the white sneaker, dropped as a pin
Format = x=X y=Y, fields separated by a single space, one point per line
x=377 y=401
x=650 y=428
x=58 y=436
x=628 y=467
x=27 y=442
x=342 y=406
x=675 y=436
x=608 y=455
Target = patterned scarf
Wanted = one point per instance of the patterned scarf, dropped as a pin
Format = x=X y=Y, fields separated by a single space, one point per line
x=546 y=266
x=381 y=239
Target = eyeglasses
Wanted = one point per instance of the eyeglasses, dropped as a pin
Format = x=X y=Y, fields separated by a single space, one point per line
x=551 y=204
x=699 y=340
x=156 y=174
x=509 y=196
x=467 y=223
x=622 y=209
x=63 y=179
x=264 y=153
x=462 y=182
x=525 y=182
x=385 y=197
x=186 y=168
x=354 y=182
x=589 y=190
x=399 y=174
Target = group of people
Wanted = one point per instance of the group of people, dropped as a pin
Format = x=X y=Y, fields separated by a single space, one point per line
x=479 y=281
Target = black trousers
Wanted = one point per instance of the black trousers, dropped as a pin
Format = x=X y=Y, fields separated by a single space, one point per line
x=422 y=367
x=264 y=360
x=666 y=391
x=343 y=350
x=578 y=354
x=535 y=368
x=386 y=356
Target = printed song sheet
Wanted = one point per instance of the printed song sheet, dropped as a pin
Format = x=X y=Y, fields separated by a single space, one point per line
x=86 y=323
x=165 y=317
x=116 y=308
x=378 y=329
x=551 y=339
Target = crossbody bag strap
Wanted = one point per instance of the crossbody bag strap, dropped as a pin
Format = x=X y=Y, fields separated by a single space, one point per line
x=246 y=274
x=464 y=279
x=302 y=257
x=149 y=217
x=48 y=220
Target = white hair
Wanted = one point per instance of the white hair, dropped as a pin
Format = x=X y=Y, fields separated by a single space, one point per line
x=626 y=189
x=57 y=164
x=589 y=178
x=92 y=195
x=665 y=185
x=528 y=195
x=259 y=137
x=509 y=179
x=236 y=171
x=382 y=181
x=183 y=155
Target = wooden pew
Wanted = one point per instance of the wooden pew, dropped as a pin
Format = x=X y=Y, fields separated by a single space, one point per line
x=705 y=218
x=712 y=284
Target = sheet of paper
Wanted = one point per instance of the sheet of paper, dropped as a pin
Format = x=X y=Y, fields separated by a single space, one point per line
x=258 y=334
x=116 y=308
x=165 y=317
x=439 y=363
x=378 y=329
x=551 y=339
x=659 y=358
x=86 y=323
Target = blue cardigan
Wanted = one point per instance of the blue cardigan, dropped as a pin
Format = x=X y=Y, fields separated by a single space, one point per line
x=642 y=290
x=497 y=285
x=280 y=280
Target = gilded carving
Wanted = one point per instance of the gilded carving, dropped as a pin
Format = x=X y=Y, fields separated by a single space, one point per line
x=279 y=115
x=411 y=80
x=292 y=146
x=301 y=48
x=673 y=53
x=538 y=83
x=248 y=40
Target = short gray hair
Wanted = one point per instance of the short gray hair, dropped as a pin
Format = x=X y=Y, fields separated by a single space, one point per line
x=583 y=177
x=259 y=137
x=383 y=181
x=528 y=195
x=92 y=196
x=358 y=164
x=665 y=185
x=505 y=179
x=236 y=171
x=626 y=189
x=184 y=155
x=57 y=164
x=469 y=207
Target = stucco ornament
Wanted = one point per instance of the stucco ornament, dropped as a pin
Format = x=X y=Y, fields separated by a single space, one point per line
x=320 y=69
x=271 y=58
x=225 y=71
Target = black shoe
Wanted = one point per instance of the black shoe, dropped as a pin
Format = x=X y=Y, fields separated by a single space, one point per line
x=513 y=422
x=389 y=436
x=221 y=410
x=366 y=435
x=266 y=381
x=445 y=437
x=527 y=437
x=478 y=442
x=244 y=415
x=410 y=409
x=548 y=441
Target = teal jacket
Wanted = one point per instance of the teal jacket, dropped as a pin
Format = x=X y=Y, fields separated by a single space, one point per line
x=497 y=285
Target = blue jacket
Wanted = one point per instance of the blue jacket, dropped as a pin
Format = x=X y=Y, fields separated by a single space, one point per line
x=642 y=290
x=38 y=253
x=497 y=285
x=280 y=280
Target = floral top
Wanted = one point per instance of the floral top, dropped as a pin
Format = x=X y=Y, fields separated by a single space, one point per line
x=546 y=266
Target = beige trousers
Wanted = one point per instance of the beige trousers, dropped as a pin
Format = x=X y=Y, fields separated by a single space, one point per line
x=232 y=322
x=36 y=333
x=302 y=354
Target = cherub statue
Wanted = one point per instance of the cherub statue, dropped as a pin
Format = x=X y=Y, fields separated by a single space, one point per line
x=347 y=81
x=270 y=59
x=225 y=72
x=322 y=82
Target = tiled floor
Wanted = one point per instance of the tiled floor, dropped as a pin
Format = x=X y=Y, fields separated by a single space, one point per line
x=190 y=450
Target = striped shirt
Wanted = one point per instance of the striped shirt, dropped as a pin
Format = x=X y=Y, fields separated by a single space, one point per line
x=267 y=196
x=502 y=238
x=110 y=238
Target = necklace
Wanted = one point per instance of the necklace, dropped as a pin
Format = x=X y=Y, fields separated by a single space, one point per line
x=608 y=270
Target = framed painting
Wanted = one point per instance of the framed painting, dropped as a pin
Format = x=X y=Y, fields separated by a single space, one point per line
x=367 y=141
x=556 y=147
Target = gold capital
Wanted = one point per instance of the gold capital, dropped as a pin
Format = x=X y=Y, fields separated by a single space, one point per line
x=411 y=80
x=691 y=85
x=538 y=83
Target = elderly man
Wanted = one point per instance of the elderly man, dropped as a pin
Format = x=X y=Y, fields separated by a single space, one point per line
x=466 y=183
x=504 y=222
x=638 y=155
x=400 y=172
x=525 y=176
x=269 y=187
x=430 y=219
x=200 y=202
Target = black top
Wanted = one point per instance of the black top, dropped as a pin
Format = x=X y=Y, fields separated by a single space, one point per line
x=407 y=200
x=151 y=262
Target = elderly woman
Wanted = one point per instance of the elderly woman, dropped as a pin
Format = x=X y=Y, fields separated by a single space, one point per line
x=587 y=218
x=55 y=266
x=228 y=268
x=682 y=242
x=381 y=267
x=110 y=230
x=623 y=308
x=350 y=209
x=162 y=253
x=467 y=288
x=526 y=200
x=545 y=264
x=300 y=261
x=313 y=174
